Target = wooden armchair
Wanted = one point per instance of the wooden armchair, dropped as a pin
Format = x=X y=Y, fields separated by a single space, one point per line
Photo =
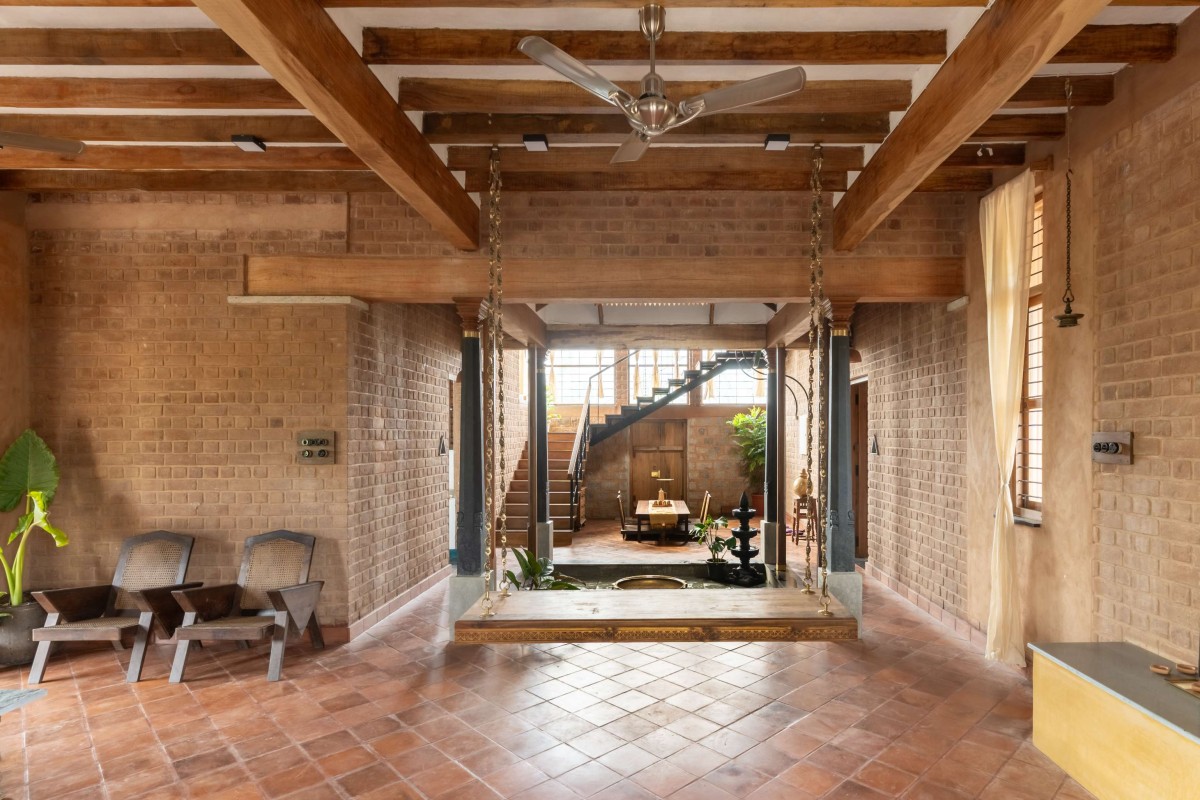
x=136 y=603
x=627 y=532
x=705 y=505
x=272 y=599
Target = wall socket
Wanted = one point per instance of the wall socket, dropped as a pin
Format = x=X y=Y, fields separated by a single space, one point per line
x=1112 y=447
x=315 y=447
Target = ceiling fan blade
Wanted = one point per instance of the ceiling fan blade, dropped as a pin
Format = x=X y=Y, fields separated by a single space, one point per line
x=26 y=141
x=573 y=70
x=633 y=148
x=746 y=93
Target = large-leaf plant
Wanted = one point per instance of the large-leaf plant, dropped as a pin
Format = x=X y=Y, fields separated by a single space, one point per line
x=536 y=573
x=29 y=473
x=750 y=433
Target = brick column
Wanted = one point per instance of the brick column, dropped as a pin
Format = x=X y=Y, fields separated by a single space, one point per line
x=469 y=525
x=840 y=503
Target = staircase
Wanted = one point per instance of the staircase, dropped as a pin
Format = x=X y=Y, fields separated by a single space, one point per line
x=662 y=396
x=516 y=501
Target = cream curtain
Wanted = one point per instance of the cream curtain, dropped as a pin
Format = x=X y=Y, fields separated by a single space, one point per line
x=1006 y=223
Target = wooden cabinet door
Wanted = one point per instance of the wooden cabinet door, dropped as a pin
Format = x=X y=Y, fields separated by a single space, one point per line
x=658 y=446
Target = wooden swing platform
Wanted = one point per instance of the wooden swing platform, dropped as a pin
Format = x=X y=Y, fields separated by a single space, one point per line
x=656 y=615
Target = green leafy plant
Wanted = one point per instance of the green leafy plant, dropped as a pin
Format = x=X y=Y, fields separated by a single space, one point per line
x=535 y=573
x=28 y=472
x=705 y=532
x=750 y=433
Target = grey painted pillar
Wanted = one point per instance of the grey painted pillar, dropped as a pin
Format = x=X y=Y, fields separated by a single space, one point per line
x=537 y=446
x=840 y=517
x=543 y=427
x=469 y=527
x=771 y=470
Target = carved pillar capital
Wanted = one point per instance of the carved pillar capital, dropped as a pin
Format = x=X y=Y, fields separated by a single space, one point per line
x=841 y=311
x=471 y=312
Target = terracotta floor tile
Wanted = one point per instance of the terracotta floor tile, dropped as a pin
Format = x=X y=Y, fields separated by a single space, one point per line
x=402 y=713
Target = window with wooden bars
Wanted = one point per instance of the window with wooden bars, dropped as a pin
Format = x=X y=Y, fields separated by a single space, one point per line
x=1027 y=486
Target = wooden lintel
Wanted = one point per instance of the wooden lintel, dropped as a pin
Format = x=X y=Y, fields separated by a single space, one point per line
x=708 y=280
x=301 y=46
x=558 y=97
x=1009 y=43
x=790 y=322
x=151 y=157
x=476 y=46
x=712 y=337
x=525 y=325
x=613 y=129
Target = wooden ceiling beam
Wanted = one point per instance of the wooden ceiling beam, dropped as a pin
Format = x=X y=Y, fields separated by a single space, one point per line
x=604 y=280
x=576 y=3
x=271 y=128
x=660 y=159
x=665 y=181
x=191 y=180
x=613 y=128
x=105 y=46
x=970 y=156
x=301 y=46
x=714 y=337
x=1009 y=43
x=790 y=322
x=148 y=93
x=956 y=179
x=1020 y=128
x=1126 y=44
x=494 y=47
x=536 y=97
x=523 y=324
x=151 y=157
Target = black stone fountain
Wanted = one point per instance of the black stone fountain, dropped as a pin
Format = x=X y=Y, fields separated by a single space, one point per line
x=745 y=573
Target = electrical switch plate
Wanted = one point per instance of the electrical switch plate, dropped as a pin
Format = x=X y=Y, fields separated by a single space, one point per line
x=315 y=447
x=1112 y=447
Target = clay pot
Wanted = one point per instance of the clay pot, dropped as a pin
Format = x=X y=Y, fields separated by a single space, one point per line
x=16 y=633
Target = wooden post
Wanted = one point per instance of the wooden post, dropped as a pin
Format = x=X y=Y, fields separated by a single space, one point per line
x=470 y=530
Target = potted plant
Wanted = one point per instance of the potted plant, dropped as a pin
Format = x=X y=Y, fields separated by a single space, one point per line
x=750 y=434
x=706 y=533
x=29 y=473
x=535 y=574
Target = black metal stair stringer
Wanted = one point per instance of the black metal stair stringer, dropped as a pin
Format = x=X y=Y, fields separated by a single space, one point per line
x=664 y=396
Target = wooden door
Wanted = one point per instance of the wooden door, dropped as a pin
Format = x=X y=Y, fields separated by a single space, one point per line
x=658 y=446
x=859 y=443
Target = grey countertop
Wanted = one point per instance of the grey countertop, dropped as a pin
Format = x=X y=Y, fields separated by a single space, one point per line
x=1123 y=670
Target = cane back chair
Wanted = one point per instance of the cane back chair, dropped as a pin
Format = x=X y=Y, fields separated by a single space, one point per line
x=137 y=603
x=272 y=599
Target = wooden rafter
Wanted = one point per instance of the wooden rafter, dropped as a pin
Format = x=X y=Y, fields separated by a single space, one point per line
x=191 y=180
x=92 y=46
x=151 y=157
x=298 y=43
x=701 y=159
x=604 y=280
x=577 y=3
x=535 y=97
x=151 y=93
x=1009 y=43
x=474 y=46
x=272 y=128
x=613 y=129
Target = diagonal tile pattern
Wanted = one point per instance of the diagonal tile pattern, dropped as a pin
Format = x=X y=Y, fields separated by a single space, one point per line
x=909 y=711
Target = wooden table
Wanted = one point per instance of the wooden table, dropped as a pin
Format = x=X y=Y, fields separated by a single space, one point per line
x=642 y=515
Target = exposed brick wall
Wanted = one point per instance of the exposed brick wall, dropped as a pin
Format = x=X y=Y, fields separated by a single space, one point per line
x=1147 y=515
x=402 y=360
x=714 y=464
x=915 y=358
x=167 y=406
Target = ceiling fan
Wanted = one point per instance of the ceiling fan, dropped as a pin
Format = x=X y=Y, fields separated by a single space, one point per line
x=652 y=114
x=28 y=141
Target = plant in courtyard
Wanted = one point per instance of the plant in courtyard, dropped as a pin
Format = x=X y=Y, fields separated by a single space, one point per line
x=29 y=473
x=706 y=533
x=536 y=573
x=750 y=434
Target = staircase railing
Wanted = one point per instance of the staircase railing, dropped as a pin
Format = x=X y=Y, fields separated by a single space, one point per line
x=583 y=435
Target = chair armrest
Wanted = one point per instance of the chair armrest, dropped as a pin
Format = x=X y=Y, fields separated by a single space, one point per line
x=209 y=602
x=299 y=601
x=160 y=602
x=83 y=602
